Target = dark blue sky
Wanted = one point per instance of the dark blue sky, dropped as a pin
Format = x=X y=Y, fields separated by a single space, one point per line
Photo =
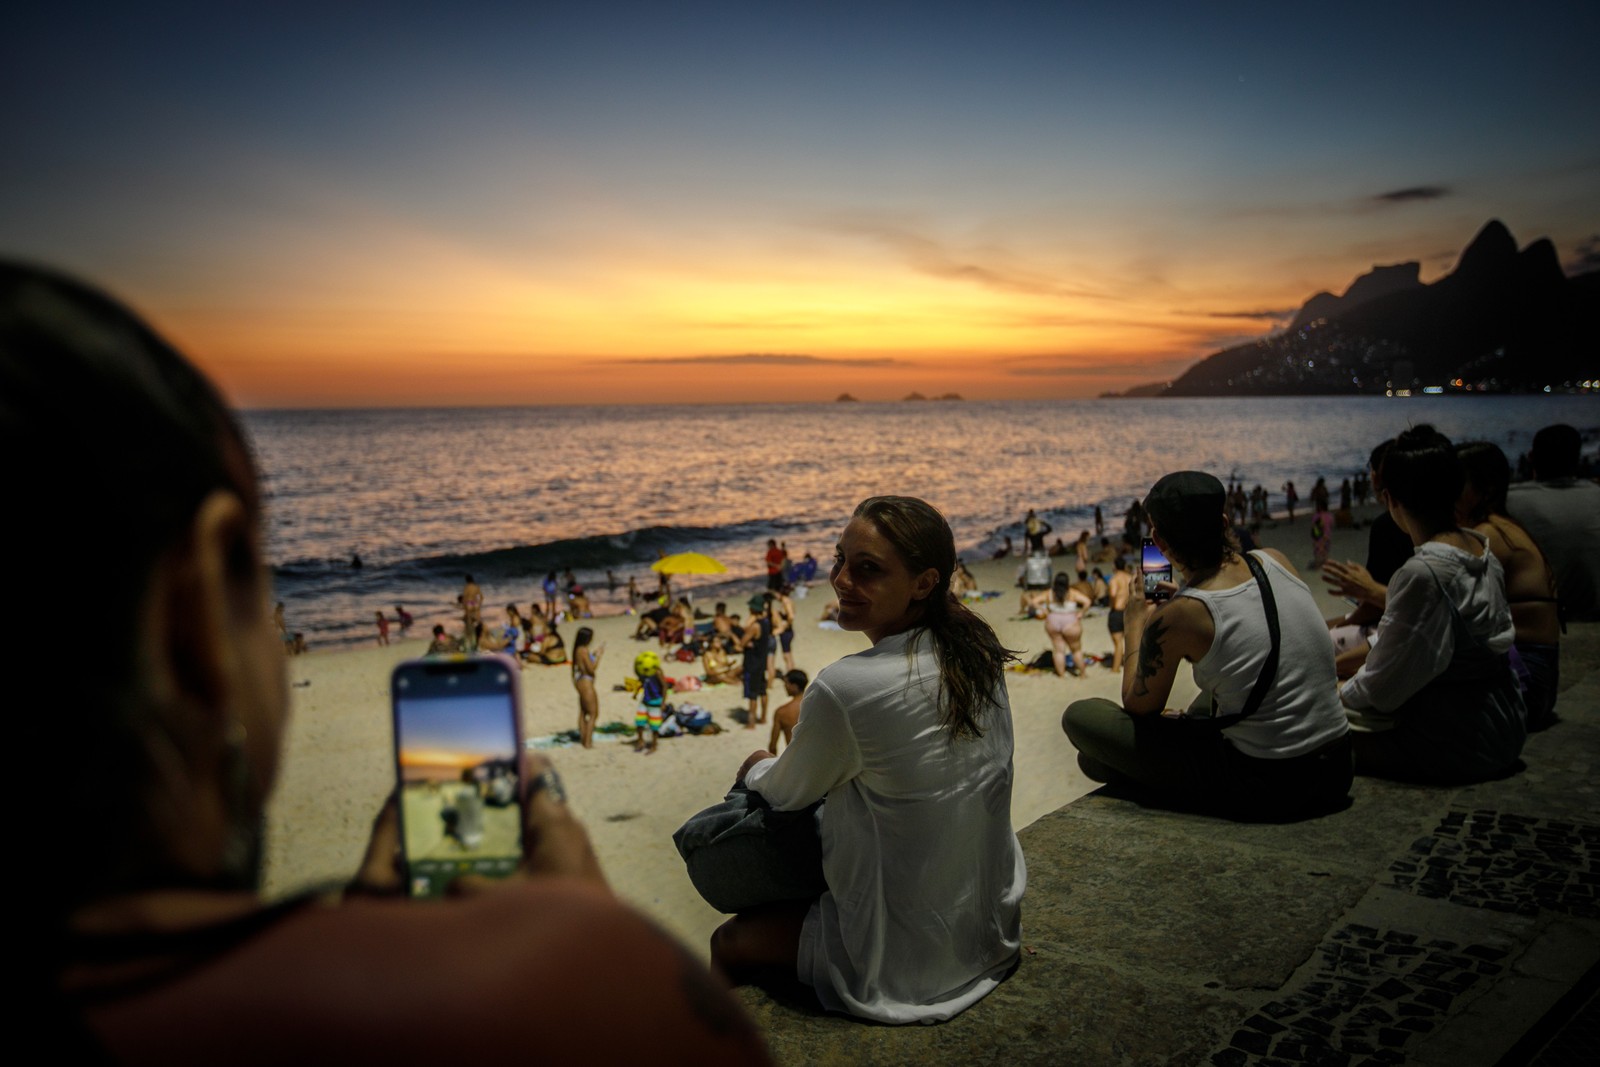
x=300 y=191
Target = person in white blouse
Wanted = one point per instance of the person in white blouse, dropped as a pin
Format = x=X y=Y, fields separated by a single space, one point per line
x=910 y=742
x=1436 y=700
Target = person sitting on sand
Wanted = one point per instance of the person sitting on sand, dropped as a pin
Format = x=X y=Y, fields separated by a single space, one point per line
x=962 y=584
x=1004 y=550
x=650 y=621
x=786 y=715
x=1278 y=745
x=1436 y=701
x=552 y=649
x=155 y=945
x=442 y=644
x=719 y=666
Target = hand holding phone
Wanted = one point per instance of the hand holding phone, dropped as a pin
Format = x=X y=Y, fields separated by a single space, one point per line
x=1156 y=569
x=458 y=764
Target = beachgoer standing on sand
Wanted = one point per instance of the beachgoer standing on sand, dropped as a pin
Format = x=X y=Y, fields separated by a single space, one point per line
x=651 y=712
x=774 y=564
x=383 y=630
x=783 y=625
x=471 y=604
x=404 y=616
x=1081 y=551
x=1321 y=536
x=1036 y=530
x=1121 y=580
x=910 y=742
x=585 y=667
x=552 y=596
x=1319 y=494
x=633 y=594
x=1099 y=522
x=1291 y=498
x=755 y=643
x=1063 y=625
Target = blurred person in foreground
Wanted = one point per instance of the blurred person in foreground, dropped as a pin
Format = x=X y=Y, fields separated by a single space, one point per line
x=152 y=943
x=1288 y=756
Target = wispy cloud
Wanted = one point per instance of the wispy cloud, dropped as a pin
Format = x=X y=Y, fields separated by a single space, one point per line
x=989 y=267
x=1264 y=314
x=1093 y=367
x=1586 y=256
x=1412 y=193
x=769 y=359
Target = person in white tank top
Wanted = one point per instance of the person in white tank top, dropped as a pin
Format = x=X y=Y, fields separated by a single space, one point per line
x=1290 y=755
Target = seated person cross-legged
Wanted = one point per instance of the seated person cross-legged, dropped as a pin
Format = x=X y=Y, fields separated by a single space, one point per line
x=1436 y=701
x=1267 y=740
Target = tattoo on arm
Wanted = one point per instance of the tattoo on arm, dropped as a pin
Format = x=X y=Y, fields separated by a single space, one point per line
x=1151 y=655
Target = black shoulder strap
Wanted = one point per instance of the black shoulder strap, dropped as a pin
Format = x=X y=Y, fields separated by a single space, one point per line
x=1269 y=669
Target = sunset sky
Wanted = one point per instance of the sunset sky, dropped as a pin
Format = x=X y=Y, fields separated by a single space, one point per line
x=398 y=204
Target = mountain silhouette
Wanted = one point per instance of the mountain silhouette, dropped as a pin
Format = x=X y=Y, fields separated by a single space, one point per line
x=1502 y=320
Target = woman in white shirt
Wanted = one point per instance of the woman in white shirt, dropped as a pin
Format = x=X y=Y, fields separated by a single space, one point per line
x=910 y=742
x=1436 y=700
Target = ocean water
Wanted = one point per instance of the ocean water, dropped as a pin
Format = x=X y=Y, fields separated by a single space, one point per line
x=425 y=497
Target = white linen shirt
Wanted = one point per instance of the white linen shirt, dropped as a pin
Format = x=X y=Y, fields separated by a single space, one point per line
x=922 y=916
x=1415 y=640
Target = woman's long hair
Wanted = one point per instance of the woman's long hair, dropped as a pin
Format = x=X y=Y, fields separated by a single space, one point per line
x=971 y=659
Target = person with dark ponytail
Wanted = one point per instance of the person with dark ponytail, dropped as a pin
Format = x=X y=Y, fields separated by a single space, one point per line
x=1266 y=740
x=910 y=744
x=1436 y=701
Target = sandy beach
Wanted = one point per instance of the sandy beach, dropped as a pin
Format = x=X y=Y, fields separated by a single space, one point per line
x=337 y=765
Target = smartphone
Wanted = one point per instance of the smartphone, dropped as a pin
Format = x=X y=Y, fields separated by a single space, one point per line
x=1156 y=568
x=457 y=751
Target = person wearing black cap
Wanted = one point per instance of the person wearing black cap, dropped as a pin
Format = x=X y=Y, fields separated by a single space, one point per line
x=1267 y=739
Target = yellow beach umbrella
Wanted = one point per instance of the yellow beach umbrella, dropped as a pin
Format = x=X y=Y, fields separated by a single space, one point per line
x=688 y=563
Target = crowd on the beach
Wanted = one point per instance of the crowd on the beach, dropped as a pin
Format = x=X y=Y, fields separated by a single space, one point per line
x=873 y=858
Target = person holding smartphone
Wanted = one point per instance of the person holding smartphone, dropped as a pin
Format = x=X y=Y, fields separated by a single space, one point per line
x=148 y=940
x=1282 y=752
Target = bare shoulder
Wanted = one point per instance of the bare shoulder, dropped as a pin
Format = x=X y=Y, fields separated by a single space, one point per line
x=553 y=970
x=1280 y=559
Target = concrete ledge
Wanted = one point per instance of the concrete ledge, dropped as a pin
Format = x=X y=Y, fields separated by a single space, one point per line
x=1419 y=925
